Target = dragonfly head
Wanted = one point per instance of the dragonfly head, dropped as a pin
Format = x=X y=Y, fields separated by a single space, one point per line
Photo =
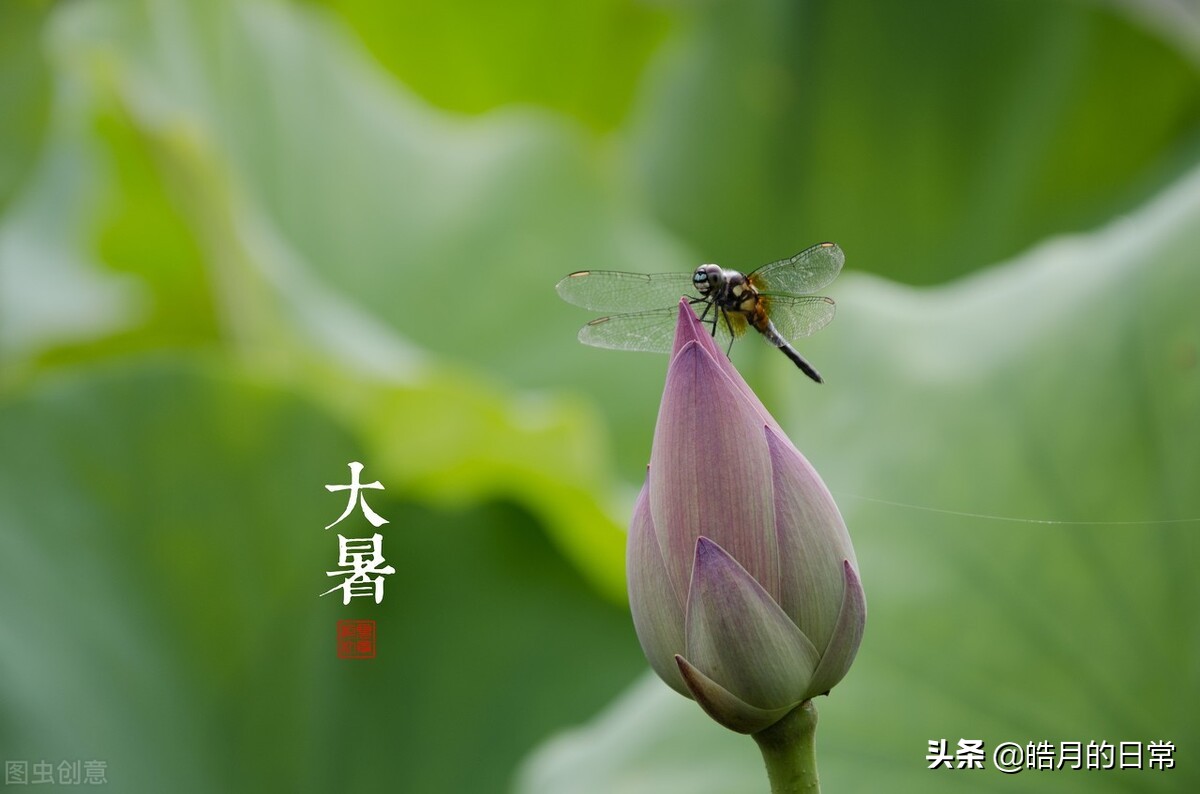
x=708 y=279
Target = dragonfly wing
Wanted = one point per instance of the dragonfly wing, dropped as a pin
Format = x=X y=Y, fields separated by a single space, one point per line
x=803 y=273
x=795 y=316
x=654 y=331
x=611 y=291
x=651 y=331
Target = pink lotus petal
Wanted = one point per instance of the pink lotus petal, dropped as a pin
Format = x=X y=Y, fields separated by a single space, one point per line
x=690 y=329
x=657 y=609
x=812 y=540
x=710 y=471
x=726 y=708
x=847 y=634
x=738 y=636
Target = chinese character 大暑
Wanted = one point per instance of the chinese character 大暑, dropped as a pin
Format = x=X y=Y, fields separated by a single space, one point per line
x=357 y=497
x=363 y=556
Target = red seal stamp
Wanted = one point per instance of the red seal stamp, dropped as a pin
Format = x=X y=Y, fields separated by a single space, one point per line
x=356 y=639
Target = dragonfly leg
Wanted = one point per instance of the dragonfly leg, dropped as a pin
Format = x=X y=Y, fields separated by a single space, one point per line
x=729 y=327
x=713 y=322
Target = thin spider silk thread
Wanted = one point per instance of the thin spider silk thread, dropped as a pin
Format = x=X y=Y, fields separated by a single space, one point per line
x=1015 y=519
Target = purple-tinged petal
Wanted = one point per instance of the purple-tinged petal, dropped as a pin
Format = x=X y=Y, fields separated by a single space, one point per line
x=843 y=645
x=812 y=541
x=710 y=471
x=738 y=636
x=657 y=609
x=690 y=329
x=723 y=706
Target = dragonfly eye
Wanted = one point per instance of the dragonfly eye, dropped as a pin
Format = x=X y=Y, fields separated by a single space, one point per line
x=706 y=278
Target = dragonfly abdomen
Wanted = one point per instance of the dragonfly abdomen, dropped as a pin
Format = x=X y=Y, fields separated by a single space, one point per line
x=767 y=329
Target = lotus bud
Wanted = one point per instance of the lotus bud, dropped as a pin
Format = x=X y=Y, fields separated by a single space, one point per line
x=742 y=580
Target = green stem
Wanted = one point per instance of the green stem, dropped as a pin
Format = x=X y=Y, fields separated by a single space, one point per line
x=789 y=750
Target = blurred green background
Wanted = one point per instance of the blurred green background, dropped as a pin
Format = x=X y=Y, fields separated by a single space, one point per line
x=242 y=244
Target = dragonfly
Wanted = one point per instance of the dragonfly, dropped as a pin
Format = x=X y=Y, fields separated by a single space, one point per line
x=775 y=300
